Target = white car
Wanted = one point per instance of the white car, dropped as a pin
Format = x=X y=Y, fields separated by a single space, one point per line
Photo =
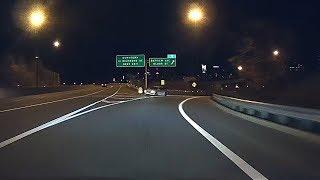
x=150 y=92
x=154 y=92
x=161 y=93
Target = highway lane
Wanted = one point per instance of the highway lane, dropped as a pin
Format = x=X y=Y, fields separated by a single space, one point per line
x=278 y=155
x=149 y=138
x=140 y=139
x=48 y=107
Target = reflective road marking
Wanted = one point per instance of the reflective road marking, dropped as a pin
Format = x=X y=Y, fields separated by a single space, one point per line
x=244 y=166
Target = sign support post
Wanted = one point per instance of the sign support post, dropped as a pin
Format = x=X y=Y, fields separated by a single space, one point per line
x=146 y=76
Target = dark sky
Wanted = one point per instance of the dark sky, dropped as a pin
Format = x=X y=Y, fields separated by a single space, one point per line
x=94 y=31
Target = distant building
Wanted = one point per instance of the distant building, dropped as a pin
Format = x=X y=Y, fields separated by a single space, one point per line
x=296 y=67
x=218 y=72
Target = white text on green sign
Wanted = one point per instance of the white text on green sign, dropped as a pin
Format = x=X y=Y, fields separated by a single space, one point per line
x=130 y=60
x=162 y=62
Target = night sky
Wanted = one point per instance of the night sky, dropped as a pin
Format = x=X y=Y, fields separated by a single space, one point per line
x=93 y=32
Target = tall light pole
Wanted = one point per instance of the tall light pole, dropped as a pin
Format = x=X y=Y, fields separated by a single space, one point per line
x=37 y=70
x=56 y=44
x=146 y=75
x=36 y=20
x=195 y=15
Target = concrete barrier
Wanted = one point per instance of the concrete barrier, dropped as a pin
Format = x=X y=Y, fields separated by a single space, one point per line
x=295 y=117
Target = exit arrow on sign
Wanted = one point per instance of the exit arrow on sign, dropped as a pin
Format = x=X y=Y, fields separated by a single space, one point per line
x=162 y=62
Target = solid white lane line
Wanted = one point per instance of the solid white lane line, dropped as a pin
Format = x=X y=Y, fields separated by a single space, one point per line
x=124 y=96
x=51 y=123
x=50 y=102
x=178 y=96
x=110 y=102
x=121 y=98
x=244 y=166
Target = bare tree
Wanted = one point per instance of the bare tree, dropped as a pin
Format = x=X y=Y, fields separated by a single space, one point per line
x=259 y=65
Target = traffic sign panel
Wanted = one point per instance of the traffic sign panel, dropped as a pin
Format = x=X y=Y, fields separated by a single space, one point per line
x=162 y=62
x=130 y=60
x=162 y=82
x=172 y=56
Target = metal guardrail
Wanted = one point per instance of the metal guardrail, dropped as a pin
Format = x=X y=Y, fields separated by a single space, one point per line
x=296 y=117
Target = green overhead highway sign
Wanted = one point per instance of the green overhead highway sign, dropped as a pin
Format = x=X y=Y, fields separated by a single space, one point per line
x=172 y=56
x=130 y=60
x=162 y=62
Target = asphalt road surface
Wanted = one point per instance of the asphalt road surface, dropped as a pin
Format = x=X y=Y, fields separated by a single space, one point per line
x=113 y=132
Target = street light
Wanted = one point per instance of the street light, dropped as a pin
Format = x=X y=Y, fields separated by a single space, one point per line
x=195 y=14
x=37 y=18
x=240 y=68
x=276 y=53
x=33 y=17
x=56 y=43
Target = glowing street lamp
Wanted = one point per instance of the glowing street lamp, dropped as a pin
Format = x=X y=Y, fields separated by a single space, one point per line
x=240 y=68
x=195 y=14
x=37 y=18
x=276 y=53
x=56 y=44
x=33 y=18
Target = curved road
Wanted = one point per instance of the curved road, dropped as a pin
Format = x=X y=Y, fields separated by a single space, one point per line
x=120 y=134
